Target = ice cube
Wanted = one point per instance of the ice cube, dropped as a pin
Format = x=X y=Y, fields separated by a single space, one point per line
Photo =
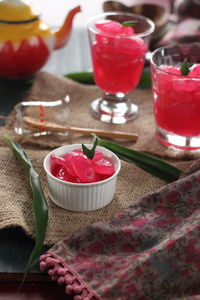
x=109 y=26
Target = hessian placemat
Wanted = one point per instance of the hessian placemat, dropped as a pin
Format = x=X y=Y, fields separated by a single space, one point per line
x=16 y=197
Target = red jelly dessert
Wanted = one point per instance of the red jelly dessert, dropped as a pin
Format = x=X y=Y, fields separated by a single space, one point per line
x=76 y=167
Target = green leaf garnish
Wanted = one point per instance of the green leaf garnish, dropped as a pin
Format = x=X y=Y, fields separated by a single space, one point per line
x=129 y=23
x=148 y=163
x=39 y=205
x=185 y=69
x=90 y=152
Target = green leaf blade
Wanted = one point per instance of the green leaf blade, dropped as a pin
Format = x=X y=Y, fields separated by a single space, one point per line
x=21 y=154
x=90 y=152
x=39 y=205
x=148 y=163
x=88 y=78
x=82 y=77
x=40 y=209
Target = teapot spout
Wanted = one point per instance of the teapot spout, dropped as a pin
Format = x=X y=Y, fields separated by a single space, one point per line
x=62 y=35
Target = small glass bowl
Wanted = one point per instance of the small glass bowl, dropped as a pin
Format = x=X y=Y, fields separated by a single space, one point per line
x=32 y=117
x=81 y=196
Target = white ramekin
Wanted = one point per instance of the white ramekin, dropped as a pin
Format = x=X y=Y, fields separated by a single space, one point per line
x=81 y=196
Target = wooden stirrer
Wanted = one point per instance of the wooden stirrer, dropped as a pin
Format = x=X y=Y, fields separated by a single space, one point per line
x=36 y=123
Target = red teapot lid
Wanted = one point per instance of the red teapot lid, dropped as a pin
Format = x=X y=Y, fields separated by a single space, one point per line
x=12 y=11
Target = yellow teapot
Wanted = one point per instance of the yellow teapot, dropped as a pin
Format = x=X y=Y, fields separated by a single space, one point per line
x=25 y=40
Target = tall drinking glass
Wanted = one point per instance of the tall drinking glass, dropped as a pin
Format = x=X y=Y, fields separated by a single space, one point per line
x=176 y=89
x=118 y=43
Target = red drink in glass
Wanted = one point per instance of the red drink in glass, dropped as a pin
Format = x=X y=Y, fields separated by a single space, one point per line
x=177 y=108
x=177 y=104
x=118 y=59
x=119 y=42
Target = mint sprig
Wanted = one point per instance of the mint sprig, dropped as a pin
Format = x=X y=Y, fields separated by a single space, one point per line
x=129 y=23
x=185 y=69
x=90 y=152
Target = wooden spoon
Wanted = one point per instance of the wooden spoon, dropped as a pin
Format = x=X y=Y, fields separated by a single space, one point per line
x=36 y=123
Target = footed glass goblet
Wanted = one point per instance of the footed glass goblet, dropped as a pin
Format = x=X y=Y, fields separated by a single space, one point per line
x=118 y=43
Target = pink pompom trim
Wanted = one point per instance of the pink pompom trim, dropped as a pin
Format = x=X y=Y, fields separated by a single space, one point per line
x=64 y=275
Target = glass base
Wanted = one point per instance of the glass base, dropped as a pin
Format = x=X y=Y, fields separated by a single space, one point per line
x=113 y=109
x=178 y=142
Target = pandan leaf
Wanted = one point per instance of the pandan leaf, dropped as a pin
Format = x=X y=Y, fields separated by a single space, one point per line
x=88 y=78
x=39 y=205
x=82 y=77
x=90 y=152
x=148 y=163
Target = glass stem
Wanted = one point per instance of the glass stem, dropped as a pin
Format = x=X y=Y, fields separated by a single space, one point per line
x=115 y=98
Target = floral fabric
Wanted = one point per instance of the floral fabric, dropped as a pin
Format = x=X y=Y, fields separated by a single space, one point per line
x=151 y=250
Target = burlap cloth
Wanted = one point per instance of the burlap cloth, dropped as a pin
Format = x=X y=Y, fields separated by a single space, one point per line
x=16 y=196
